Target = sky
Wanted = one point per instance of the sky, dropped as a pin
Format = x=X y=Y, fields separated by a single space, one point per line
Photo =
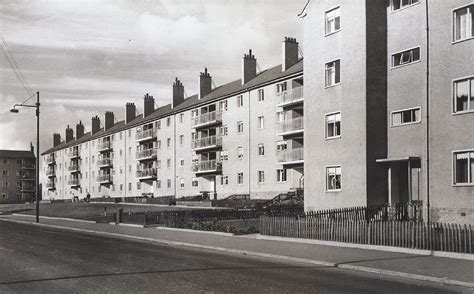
x=87 y=57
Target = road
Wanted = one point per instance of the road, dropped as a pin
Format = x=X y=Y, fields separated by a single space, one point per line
x=46 y=260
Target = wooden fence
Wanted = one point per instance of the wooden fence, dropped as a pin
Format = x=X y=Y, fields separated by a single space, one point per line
x=409 y=234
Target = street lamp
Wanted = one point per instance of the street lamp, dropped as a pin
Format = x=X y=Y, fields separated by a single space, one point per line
x=37 y=106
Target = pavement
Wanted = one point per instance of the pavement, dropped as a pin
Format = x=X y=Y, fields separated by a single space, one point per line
x=409 y=266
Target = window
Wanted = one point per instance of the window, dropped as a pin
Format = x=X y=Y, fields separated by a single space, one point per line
x=224 y=155
x=464 y=95
x=463 y=22
x=261 y=177
x=408 y=116
x=4 y=195
x=139 y=186
x=223 y=131
x=399 y=4
x=93 y=159
x=158 y=184
x=158 y=164
x=194 y=113
x=333 y=20
x=168 y=142
x=261 y=95
x=261 y=149
x=121 y=187
x=224 y=180
x=281 y=88
x=129 y=135
x=18 y=184
x=168 y=183
x=181 y=162
x=181 y=139
x=181 y=183
x=333 y=76
x=181 y=117
x=240 y=101
x=121 y=154
x=5 y=161
x=240 y=178
x=5 y=173
x=333 y=178
x=463 y=168
x=281 y=175
x=261 y=122
x=158 y=144
x=158 y=124
x=113 y=188
x=333 y=125
x=406 y=57
x=240 y=127
x=168 y=121
x=240 y=152
x=129 y=186
x=282 y=146
x=121 y=136
x=223 y=106
x=168 y=162
x=18 y=161
x=194 y=182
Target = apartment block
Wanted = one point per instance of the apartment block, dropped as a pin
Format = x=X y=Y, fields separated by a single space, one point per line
x=394 y=112
x=241 y=138
x=18 y=176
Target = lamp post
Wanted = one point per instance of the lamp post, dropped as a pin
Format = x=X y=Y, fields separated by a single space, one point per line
x=37 y=106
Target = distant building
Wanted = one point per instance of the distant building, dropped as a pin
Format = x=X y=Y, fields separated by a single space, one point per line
x=241 y=138
x=18 y=176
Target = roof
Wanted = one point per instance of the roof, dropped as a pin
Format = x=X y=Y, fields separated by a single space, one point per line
x=16 y=154
x=221 y=92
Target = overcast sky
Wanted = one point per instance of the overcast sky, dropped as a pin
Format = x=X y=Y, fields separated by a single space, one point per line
x=86 y=57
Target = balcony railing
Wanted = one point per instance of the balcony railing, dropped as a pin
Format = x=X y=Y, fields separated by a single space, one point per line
x=207 y=142
x=291 y=156
x=74 y=153
x=145 y=135
x=28 y=177
x=106 y=178
x=104 y=162
x=206 y=119
x=50 y=159
x=49 y=185
x=28 y=188
x=146 y=154
x=147 y=173
x=290 y=126
x=50 y=172
x=28 y=165
x=106 y=145
x=74 y=182
x=73 y=168
x=207 y=166
x=290 y=97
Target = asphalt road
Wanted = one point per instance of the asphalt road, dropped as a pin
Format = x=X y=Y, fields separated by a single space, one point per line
x=43 y=260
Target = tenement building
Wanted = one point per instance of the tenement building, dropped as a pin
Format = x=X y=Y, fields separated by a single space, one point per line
x=393 y=113
x=18 y=178
x=241 y=138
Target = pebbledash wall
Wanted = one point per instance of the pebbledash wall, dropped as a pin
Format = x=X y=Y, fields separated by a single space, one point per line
x=405 y=100
x=237 y=138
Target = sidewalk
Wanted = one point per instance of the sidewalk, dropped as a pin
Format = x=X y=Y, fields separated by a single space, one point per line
x=421 y=267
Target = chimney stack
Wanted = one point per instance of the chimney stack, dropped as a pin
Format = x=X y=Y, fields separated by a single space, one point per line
x=178 y=93
x=205 y=83
x=148 y=105
x=249 y=67
x=79 y=130
x=32 y=148
x=130 y=111
x=56 y=139
x=95 y=124
x=109 y=119
x=289 y=53
x=69 y=134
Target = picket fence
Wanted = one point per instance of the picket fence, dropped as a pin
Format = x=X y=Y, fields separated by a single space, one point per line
x=408 y=234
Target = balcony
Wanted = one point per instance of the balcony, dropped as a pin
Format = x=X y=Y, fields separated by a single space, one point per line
x=28 y=177
x=292 y=126
x=74 y=168
x=105 y=146
x=105 y=179
x=50 y=185
x=50 y=159
x=145 y=135
x=50 y=172
x=75 y=153
x=206 y=143
x=28 y=165
x=293 y=156
x=289 y=98
x=74 y=182
x=28 y=188
x=147 y=173
x=207 y=166
x=146 y=154
x=207 y=119
x=105 y=162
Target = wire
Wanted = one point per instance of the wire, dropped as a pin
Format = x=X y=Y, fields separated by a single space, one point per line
x=28 y=98
x=14 y=65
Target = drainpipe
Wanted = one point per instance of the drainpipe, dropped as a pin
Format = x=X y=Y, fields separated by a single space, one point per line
x=250 y=136
x=427 y=114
